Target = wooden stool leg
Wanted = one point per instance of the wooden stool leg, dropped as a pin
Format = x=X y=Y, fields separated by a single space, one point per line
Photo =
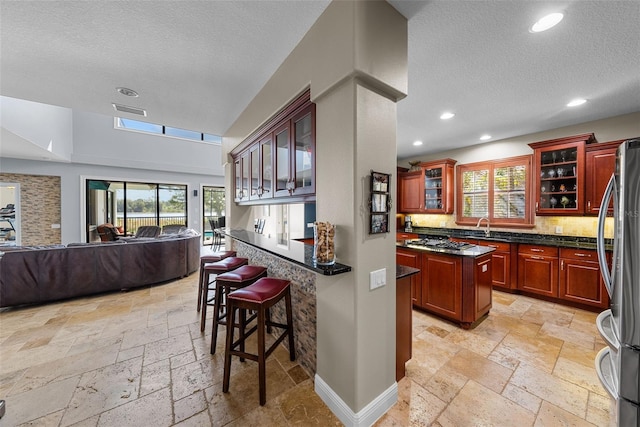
x=292 y=349
x=231 y=319
x=205 y=296
x=262 y=377
x=242 y=329
x=220 y=294
x=200 y=285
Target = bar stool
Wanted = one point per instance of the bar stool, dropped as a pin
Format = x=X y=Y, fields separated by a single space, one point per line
x=259 y=297
x=225 y=283
x=214 y=257
x=222 y=266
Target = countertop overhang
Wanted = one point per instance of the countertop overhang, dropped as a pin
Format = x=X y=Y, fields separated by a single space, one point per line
x=291 y=250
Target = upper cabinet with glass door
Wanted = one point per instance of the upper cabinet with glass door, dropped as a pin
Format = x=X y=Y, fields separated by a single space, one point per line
x=281 y=157
x=559 y=175
x=438 y=186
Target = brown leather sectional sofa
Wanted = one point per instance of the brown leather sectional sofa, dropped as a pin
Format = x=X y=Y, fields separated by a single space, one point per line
x=31 y=275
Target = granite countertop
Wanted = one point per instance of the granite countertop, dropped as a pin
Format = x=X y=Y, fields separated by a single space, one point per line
x=473 y=251
x=293 y=251
x=510 y=237
x=403 y=271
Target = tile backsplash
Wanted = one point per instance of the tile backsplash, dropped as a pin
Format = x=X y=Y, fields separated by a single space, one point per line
x=571 y=226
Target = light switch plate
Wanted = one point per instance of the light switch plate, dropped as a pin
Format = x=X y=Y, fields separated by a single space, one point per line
x=377 y=278
x=558 y=229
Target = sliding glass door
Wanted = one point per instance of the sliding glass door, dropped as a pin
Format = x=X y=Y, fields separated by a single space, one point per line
x=129 y=205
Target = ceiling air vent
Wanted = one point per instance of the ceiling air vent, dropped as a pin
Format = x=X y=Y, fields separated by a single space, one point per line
x=130 y=110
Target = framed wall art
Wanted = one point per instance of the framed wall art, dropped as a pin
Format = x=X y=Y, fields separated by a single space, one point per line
x=379 y=203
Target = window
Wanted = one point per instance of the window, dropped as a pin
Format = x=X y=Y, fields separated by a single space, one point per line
x=499 y=190
x=130 y=205
x=139 y=126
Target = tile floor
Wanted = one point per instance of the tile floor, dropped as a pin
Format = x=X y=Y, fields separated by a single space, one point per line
x=138 y=359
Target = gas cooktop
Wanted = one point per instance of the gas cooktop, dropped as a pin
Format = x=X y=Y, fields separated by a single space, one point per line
x=441 y=243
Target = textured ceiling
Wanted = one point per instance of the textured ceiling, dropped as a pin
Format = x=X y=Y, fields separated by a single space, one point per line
x=197 y=64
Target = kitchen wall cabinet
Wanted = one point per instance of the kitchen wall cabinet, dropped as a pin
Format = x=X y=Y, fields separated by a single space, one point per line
x=538 y=269
x=430 y=190
x=410 y=196
x=600 y=164
x=559 y=175
x=278 y=161
x=580 y=279
x=412 y=259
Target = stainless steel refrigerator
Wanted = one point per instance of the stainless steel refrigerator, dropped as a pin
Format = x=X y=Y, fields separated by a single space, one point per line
x=618 y=364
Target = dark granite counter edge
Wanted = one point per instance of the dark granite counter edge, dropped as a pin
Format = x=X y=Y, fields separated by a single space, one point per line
x=512 y=237
x=473 y=252
x=254 y=239
x=403 y=271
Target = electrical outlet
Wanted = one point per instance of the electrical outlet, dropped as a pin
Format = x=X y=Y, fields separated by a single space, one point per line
x=377 y=278
x=443 y=224
x=558 y=229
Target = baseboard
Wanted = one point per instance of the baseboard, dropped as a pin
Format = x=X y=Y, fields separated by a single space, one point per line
x=365 y=417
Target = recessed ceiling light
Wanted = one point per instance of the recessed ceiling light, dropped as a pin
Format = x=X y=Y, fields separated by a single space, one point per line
x=127 y=92
x=416 y=143
x=446 y=116
x=485 y=137
x=576 y=102
x=546 y=22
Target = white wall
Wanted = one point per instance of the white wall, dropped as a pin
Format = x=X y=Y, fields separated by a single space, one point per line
x=97 y=142
x=46 y=126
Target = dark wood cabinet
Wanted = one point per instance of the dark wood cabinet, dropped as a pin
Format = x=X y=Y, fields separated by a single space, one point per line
x=600 y=165
x=278 y=161
x=580 y=278
x=538 y=269
x=559 y=175
x=501 y=260
x=241 y=173
x=412 y=259
x=411 y=193
x=442 y=285
x=429 y=190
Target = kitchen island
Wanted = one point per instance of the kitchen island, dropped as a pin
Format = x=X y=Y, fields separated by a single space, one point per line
x=454 y=280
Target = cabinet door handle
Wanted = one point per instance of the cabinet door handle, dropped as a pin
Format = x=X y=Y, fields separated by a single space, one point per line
x=589 y=205
x=537 y=250
x=562 y=265
x=536 y=206
x=536 y=257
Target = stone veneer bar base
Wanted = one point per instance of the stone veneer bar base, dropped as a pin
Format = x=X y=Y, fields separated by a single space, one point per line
x=303 y=298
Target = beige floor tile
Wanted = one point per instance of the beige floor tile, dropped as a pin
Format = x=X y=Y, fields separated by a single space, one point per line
x=539 y=351
x=553 y=416
x=601 y=410
x=104 y=389
x=477 y=405
x=568 y=334
x=144 y=336
x=51 y=420
x=563 y=394
x=199 y=420
x=472 y=341
x=189 y=406
x=166 y=348
x=151 y=410
x=480 y=369
x=522 y=397
x=576 y=373
x=579 y=354
x=155 y=376
x=57 y=370
x=39 y=402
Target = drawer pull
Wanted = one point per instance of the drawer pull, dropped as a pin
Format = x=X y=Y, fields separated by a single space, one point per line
x=537 y=250
x=582 y=255
x=537 y=257
x=562 y=265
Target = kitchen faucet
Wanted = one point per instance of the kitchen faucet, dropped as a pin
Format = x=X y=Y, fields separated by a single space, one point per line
x=487 y=230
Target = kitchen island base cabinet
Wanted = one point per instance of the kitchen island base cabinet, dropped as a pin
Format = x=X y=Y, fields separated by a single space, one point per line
x=457 y=288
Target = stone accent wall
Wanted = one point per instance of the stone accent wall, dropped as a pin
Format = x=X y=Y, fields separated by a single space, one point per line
x=40 y=206
x=303 y=301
